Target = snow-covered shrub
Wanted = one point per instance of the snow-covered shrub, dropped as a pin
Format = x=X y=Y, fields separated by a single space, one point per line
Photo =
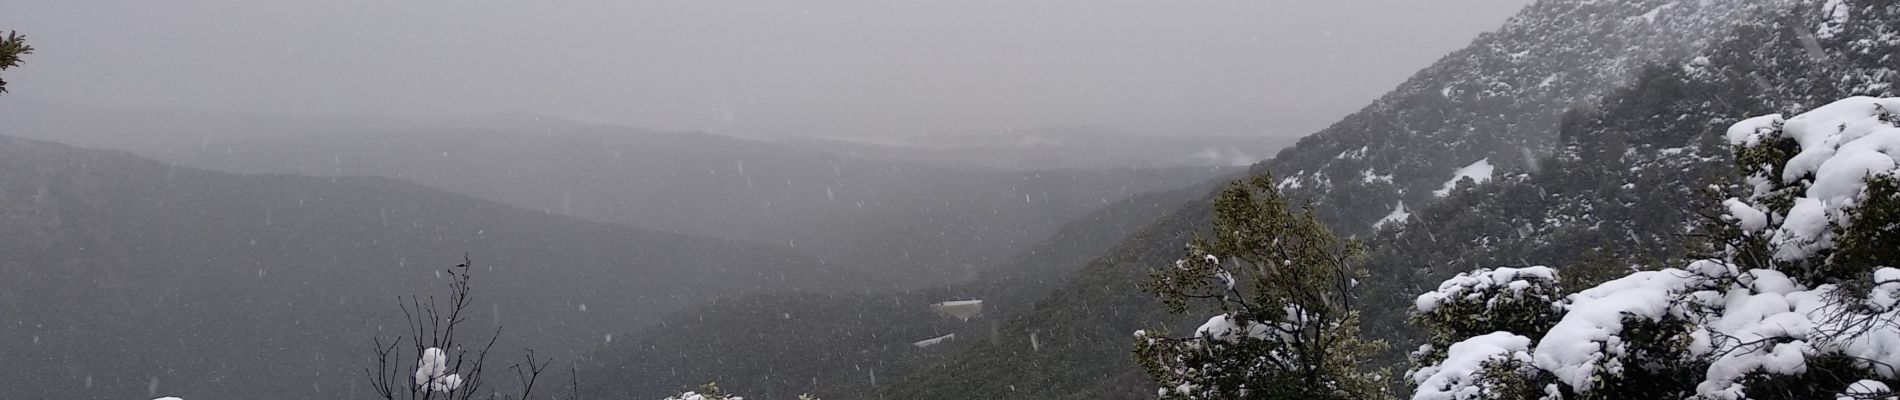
x=1482 y=316
x=1524 y=300
x=1810 y=179
x=1800 y=304
x=711 y=392
x=706 y=392
x=1490 y=366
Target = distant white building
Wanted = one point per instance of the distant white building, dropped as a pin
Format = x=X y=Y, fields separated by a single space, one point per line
x=961 y=309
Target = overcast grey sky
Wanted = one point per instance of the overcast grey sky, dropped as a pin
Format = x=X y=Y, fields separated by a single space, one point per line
x=752 y=68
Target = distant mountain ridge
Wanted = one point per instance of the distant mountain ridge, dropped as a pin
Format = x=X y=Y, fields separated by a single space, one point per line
x=900 y=224
x=1059 y=148
x=127 y=277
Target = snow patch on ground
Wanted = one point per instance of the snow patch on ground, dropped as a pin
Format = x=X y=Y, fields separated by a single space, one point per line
x=1650 y=17
x=934 y=341
x=1398 y=216
x=1290 y=182
x=1477 y=172
x=1353 y=154
x=1368 y=176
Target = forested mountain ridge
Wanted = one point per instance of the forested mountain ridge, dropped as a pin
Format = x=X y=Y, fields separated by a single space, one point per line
x=1058 y=148
x=127 y=276
x=1614 y=195
x=1496 y=102
x=900 y=224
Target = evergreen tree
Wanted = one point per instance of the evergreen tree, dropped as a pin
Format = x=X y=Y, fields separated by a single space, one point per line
x=12 y=46
x=1283 y=284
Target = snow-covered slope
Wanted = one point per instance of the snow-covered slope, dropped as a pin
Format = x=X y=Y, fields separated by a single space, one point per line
x=1500 y=100
x=1637 y=180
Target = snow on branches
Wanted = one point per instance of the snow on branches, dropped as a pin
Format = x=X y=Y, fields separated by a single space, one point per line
x=1811 y=174
x=432 y=371
x=1801 y=302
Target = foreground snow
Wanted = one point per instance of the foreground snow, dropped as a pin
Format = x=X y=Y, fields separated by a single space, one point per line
x=1735 y=322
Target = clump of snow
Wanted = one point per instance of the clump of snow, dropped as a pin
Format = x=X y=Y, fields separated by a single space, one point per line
x=1224 y=328
x=1749 y=132
x=1886 y=291
x=1398 y=216
x=1743 y=323
x=432 y=370
x=698 y=396
x=1866 y=389
x=1218 y=334
x=1842 y=144
x=1588 y=338
x=1477 y=172
x=1741 y=338
x=1480 y=283
x=1749 y=218
x=1459 y=376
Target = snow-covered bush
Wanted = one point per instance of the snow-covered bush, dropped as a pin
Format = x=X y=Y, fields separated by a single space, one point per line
x=706 y=392
x=1522 y=300
x=1801 y=302
x=1495 y=308
x=1822 y=198
x=1489 y=366
x=711 y=392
